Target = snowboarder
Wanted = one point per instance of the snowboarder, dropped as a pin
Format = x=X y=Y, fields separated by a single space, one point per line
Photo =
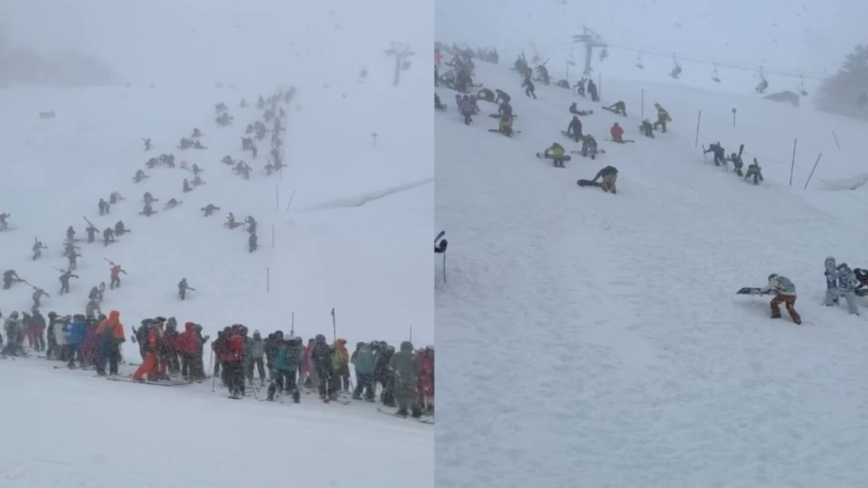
x=505 y=125
x=589 y=146
x=209 y=209
x=120 y=228
x=662 y=117
x=647 y=129
x=230 y=221
x=486 y=94
x=197 y=181
x=147 y=141
x=3 y=224
x=501 y=95
x=574 y=130
x=609 y=174
x=251 y=242
x=148 y=210
x=115 y=197
x=103 y=207
x=619 y=108
x=785 y=292
x=183 y=287
x=251 y=224
x=148 y=198
x=754 y=171
x=70 y=234
x=172 y=203
x=556 y=153
x=592 y=91
x=64 y=281
x=847 y=283
x=140 y=175
x=73 y=261
x=617 y=132
x=186 y=188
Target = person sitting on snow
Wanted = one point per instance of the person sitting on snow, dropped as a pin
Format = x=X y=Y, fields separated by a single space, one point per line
x=617 y=132
x=556 y=153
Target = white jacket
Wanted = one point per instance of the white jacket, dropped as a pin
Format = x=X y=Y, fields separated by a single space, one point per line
x=59 y=334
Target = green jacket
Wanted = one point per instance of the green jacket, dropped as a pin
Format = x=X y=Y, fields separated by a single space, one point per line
x=556 y=150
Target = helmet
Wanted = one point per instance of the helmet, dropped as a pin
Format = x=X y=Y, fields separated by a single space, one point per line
x=772 y=276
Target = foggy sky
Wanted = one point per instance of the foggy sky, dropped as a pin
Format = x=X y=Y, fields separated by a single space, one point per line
x=811 y=35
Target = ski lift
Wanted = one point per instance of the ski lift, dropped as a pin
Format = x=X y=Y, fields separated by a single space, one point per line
x=604 y=53
x=801 y=88
x=639 y=61
x=714 y=76
x=763 y=85
x=676 y=70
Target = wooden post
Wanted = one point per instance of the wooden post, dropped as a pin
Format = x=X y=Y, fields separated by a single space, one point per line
x=290 y=201
x=698 y=119
x=643 y=104
x=292 y=327
x=600 y=86
x=812 y=171
x=444 y=267
x=268 y=280
x=334 y=325
x=411 y=333
x=793 y=165
x=272 y=236
x=733 y=116
x=836 y=140
x=277 y=198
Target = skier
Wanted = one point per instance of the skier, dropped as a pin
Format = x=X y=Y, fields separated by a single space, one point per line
x=14 y=336
x=108 y=236
x=619 y=108
x=91 y=233
x=287 y=360
x=405 y=367
x=231 y=355
x=183 y=287
x=116 y=270
x=662 y=117
x=38 y=293
x=556 y=153
x=574 y=130
x=38 y=246
x=70 y=234
x=149 y=338
x=617 y=132
x=363 y=360
x=785 y=292
x=76 y=331
x=257 y=354
x=529 y=88
x=341 y=365
x=737 y=163
x=321 y=357
x=592 y=91
x=251 y=243
x=209 y=209
x=9 y=277
x=3 y=224
x=719 y=153
x=251 y=224
x=64 y=281
x=754 y=171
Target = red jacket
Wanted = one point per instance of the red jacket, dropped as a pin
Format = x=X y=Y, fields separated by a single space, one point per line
x=233 y=349
x=187 y=340
x=616 y=132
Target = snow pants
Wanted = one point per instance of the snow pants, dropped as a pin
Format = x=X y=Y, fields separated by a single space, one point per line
x=850 y=297
x=364 y=383
x=831 y=297
x=150 y=367
x=107 y=353
x=233 y=377
x=608 y=184
x=405 y=395
x=259 y=365
x=789 y=301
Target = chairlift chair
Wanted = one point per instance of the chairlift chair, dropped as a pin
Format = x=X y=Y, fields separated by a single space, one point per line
x=676 y=70
x=714 y=76
x=639 y=61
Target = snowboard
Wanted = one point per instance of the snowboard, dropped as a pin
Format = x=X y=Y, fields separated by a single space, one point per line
x=503 y=133
x=623 y=141
x=155 y=383
x=7 y=229
x=584 y=183
x=749 y=291
x=612 y=110
x=599 y=151
x=564 y=158
x=497 y=116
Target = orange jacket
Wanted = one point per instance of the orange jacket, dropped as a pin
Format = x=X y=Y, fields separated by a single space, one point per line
x=113 y=324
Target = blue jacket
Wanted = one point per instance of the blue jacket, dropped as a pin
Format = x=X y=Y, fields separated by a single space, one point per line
x=76 y=333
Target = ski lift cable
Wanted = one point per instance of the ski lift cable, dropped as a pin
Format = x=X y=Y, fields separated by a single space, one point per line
x=704 y=60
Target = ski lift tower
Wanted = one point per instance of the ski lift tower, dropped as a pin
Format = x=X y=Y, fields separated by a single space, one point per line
x=401 y=53
x=591 y=40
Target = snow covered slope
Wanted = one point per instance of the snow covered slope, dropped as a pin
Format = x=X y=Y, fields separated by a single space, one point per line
x=355 y=238
x=590 y=339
